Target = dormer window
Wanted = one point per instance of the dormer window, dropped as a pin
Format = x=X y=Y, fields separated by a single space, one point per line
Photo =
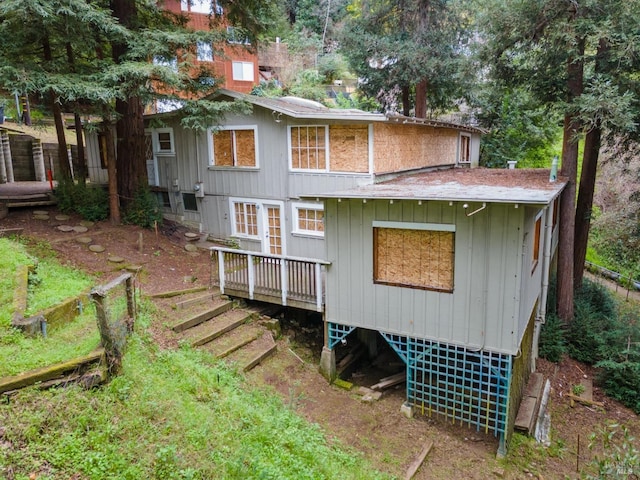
x=201 y=6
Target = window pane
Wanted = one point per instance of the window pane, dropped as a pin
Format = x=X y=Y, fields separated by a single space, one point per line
x=204 y=52
x=240 y=217
x=308 y=148
x=243 y=71
x=164 y=141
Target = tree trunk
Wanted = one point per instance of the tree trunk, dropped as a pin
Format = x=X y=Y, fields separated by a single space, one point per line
x=575 y=73
x=585 y=201
x=421 y=99
x=82 y=161
x=63 y=156
x=406 y=101
x=584 y=206
x=114 y=204
x=130 y=161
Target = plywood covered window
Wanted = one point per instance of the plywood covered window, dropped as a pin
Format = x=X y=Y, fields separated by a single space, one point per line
x=308 y=147
x=246 y=219
x=415 y=258
x=234 y=147
x=349 y=148
x=308 y=219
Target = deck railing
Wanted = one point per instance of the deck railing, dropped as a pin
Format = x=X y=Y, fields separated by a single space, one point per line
x=277 y=279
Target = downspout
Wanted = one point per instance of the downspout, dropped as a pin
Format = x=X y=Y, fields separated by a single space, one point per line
x=546 y=263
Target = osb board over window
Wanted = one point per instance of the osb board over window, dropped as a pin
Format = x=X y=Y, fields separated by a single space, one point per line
x=349 y=148
x=245 y=148
x=223 y=148
x=405 y=147
x=234 y=148
x=413 y=258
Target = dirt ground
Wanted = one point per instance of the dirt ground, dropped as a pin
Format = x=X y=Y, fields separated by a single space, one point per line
x=378 y=430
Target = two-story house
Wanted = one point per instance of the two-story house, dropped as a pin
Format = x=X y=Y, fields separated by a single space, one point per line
x=383 y=224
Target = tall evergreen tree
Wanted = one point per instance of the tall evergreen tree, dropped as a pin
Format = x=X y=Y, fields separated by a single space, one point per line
x=410 y=52
x=551 y=46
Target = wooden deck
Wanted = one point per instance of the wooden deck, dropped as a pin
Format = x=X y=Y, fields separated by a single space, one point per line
x=282 y=280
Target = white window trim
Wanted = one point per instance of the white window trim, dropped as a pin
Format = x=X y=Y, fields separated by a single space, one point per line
x=326 y=150
x=244 y=64
x=212 y=156
x=536 y=261
x=156 y=141
x=232 y=215
x=295 y=207
x=434 y=227
x=464 y=162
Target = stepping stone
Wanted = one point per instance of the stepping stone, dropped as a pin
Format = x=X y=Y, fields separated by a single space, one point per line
x=190 y=247
x=80 y=229
x=41 y=217
x=62 y=218
x=87 y=223
x=40 y=212
x=96 y=248
x=191 y=235
x=85 y=240
x=115 y=259
x=65 y=228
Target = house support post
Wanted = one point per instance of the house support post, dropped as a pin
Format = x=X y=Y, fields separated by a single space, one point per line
x=328 y=364
x=6 y=150
x=38 y=161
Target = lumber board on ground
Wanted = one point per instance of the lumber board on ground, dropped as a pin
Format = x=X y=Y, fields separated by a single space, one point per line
x=390 y=381
x=49 y=372
x=417 y=463
x=584 y=401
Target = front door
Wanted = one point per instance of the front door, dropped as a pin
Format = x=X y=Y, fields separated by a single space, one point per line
x=273 y=223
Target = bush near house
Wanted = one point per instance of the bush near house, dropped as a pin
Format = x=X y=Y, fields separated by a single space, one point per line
x=604 y=333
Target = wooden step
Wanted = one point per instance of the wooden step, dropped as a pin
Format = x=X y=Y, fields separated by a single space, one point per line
x=528 y=411
x=189 y=302
x=254 y=353
x=222 y=324
x=234 y=340
x=219 y=307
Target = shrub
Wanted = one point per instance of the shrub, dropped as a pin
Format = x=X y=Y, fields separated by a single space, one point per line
x=92 y=203
x=591 y=335
x=143 y=210
x=552 y=345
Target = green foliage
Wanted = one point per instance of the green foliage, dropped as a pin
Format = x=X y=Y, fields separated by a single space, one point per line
x=171 y=415
x=92 y=203
x=617 y=456
x=267 y=89
x=308 y=84
x=592 y=333
x=144 y=209
x=12 y=254
x=604 y=332
x=519 y=129
x=552 y=345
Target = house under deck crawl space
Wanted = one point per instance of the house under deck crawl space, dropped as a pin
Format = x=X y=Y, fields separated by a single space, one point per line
x=451 y=269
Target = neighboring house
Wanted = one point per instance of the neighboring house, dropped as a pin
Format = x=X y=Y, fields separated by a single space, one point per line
x=451 y=269
x=235 y=63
